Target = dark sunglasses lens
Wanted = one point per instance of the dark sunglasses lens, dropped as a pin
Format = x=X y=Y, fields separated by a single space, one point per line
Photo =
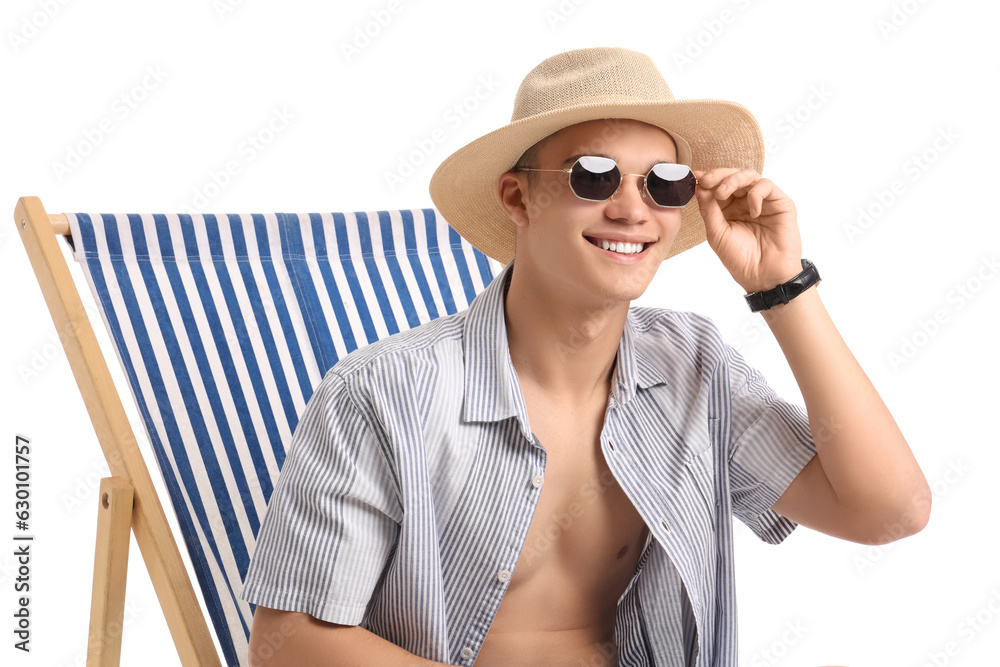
x=595 y=178
x=671 y=184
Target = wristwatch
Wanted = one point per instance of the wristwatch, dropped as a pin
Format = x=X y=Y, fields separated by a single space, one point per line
x=785 y=292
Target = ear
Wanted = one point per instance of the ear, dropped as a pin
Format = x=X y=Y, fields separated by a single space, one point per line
x=513 y=190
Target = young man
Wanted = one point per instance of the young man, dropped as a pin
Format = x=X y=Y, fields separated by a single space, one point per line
x=549 y=477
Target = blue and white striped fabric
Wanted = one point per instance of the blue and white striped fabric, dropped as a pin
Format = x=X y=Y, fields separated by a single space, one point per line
x=414 y=476
x=225 y=325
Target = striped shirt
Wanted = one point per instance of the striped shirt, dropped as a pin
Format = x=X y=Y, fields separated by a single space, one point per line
x=407 y=493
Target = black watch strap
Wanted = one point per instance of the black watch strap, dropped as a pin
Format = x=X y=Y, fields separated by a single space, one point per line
x=785 y=292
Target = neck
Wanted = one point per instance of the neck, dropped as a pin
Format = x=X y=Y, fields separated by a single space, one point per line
x=565 y=349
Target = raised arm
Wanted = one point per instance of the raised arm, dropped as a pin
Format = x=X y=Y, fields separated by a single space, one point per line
x=864 y=483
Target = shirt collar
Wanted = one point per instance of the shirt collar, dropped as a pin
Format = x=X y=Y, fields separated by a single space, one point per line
x=634 y=368
x=492 y=391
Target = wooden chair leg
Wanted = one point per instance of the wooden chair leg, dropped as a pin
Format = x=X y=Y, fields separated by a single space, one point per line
x=107 y=607
x=169 y=577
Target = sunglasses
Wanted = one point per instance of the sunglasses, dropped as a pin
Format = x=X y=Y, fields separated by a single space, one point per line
x=594 y=178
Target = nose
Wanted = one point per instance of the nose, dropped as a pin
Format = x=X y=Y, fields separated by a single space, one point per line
x=630 y=202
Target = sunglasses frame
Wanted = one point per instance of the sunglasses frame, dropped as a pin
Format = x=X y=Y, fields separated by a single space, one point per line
x=645 y=186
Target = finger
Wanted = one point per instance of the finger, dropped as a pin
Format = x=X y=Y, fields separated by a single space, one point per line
x=712 y=177
x=763 y=190
x=756 y=195
x=711 y=214
x=736 y=184
x=740 y=177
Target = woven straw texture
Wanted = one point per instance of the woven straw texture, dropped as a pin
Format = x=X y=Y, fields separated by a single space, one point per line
x=579 y=86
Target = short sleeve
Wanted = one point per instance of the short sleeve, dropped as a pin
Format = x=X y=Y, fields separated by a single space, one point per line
x=770 y=444
x=333 y=519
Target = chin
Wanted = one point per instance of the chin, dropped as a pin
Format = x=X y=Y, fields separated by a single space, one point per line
x=625 y=290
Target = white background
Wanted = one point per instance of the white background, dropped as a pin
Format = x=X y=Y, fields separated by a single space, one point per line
x=878 y=98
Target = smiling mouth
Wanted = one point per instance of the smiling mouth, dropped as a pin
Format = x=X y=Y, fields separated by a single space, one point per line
x=619 y=248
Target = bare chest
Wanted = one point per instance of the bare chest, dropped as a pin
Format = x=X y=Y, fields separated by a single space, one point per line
x=581 y=550
x=584 y=524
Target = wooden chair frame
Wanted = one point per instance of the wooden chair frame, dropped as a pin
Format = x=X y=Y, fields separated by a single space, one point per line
x=128 y=499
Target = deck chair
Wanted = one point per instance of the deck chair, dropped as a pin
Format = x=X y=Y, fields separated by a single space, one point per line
x=223 y=325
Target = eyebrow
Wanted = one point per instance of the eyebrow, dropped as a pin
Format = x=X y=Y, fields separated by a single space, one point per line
x=573 y=158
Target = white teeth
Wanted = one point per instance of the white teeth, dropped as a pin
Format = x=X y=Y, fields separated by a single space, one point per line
x=621 y=247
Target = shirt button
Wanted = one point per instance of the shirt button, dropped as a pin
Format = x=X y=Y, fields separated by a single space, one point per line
x=503 y=575
x=466 y=653
x=663 y=522
x=537 y=480
x=611 y=445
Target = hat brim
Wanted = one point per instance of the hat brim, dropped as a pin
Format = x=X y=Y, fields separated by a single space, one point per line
x=710 y=133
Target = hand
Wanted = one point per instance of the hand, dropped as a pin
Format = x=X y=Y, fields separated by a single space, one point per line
x=751 y=225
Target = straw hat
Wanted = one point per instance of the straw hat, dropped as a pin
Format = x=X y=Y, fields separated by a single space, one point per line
x=578 y=86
